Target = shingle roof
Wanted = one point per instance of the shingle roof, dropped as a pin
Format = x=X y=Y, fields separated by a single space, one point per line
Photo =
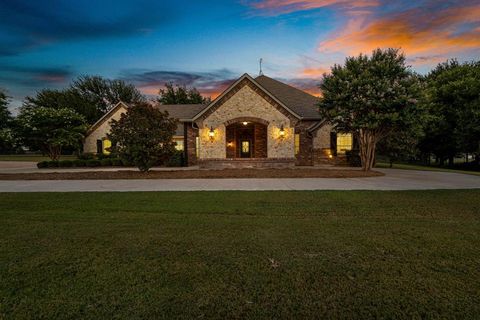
x=183 y=112
x=300 y=102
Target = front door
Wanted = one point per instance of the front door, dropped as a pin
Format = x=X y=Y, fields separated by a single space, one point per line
x=245 y=149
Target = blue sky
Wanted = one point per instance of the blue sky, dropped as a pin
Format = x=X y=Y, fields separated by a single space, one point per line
x=46 y=44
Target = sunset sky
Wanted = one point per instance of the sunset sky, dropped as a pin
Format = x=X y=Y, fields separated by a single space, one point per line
x=206 y=44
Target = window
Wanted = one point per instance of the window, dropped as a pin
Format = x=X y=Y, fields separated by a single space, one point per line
x=197 y=146
x=178 y=144
x=297 y=143
x=344 y=142
x=106 y=145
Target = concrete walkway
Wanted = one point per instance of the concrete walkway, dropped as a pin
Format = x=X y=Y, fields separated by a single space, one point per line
x=393 y=180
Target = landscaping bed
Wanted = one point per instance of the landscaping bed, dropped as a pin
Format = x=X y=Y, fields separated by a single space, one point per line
x=193 y=174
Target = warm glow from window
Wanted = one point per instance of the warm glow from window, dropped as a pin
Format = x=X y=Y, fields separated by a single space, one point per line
x=297 y=143
x=178 y=144
x=344 y=142
x=245 y=146
x=197 y=146
x=106 y=144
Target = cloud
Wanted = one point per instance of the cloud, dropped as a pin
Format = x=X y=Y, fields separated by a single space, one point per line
x=277 y=7
x=208 y=83
x=428 y=31
x=420 y=31
x=35 y=77
x=26 y=24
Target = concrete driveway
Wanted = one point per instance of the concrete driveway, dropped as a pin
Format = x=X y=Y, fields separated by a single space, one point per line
x=394 y=179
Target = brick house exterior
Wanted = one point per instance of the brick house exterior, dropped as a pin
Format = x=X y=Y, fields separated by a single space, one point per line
x=257 y=122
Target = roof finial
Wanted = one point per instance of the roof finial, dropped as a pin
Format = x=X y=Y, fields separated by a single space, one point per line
x=261 y=72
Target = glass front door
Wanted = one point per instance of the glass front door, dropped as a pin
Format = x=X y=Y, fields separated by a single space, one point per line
x=245 y=149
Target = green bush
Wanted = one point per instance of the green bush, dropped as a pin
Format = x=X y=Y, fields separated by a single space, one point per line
x=93 y=163
x=86 y=156
x=42 y=164
x=79 y=163
x=176 y=160
x=52 y=164
x=106 y=162
x=65 y=163
x=126 y=163
x=353 y=158
x=117 y=162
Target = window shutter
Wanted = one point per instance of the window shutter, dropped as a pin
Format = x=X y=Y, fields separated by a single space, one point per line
x=333 y=143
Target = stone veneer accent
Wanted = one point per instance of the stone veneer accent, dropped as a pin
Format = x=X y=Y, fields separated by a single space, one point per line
x=246 y=102
x=100 y=132
x=321 y=146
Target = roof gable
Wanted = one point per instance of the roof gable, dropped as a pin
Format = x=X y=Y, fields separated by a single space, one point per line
x=295 y=99
x=244 y=79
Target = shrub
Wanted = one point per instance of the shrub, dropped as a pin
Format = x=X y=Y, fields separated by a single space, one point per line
x=65 y=163
x=126 y=163
x=117 y=162
x=93 y=163
x=353 y=158
x=176 y=160
x=106 y=162
x=42 y=164
x=52 y=164
x=79 y=163
x=86 y=156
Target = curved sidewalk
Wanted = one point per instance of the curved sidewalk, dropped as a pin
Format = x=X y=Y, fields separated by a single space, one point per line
x=393 y=180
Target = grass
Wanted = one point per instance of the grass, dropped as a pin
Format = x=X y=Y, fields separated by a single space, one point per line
x=32 y=157
x=424 y=168
x=237 y=255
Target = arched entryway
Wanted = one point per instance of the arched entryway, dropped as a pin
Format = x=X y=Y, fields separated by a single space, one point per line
x=246 y=138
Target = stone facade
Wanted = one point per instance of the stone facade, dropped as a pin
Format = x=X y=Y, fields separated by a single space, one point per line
x=322 y=148
x=100 y=131
x=246 y=102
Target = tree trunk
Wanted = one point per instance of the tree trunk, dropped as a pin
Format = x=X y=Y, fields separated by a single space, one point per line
x=54 y=152
x=367 y=149
x=450 y=161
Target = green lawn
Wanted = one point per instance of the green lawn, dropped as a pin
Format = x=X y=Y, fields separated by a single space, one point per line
x=32 y=157
x=424 y=168
x=240 y=255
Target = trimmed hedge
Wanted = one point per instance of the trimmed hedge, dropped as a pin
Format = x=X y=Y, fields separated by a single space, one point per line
x=79 y=163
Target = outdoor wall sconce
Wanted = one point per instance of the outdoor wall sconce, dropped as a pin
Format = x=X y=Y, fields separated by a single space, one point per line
x=211 y=134
x=230 y=144
x=244 y=123
x=282 y=132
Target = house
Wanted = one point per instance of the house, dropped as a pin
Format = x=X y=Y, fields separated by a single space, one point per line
x=257 y=122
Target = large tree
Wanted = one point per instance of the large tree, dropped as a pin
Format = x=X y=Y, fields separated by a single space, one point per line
x=143 y=136
x=369 y=96
x=453 y=102
x=90 y=96
x=7 y=141
x=50 y=130
x=180 y=95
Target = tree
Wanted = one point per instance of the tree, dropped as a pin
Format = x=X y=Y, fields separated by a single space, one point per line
x=90 y=96
x=50 y=130
x=452 y=100
x=7 y=140
x=180 y=95
x=5 y=115
x=369 y=96
x=143 y=136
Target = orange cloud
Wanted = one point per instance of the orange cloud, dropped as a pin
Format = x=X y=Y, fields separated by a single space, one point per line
x=314 y=72
x=287 y=6
x=417 y=32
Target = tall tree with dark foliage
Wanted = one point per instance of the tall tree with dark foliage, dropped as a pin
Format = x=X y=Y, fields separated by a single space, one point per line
x=143 y=136
x=369 y=96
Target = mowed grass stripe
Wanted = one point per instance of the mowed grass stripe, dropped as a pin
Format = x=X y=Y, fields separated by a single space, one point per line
x=240 y=254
